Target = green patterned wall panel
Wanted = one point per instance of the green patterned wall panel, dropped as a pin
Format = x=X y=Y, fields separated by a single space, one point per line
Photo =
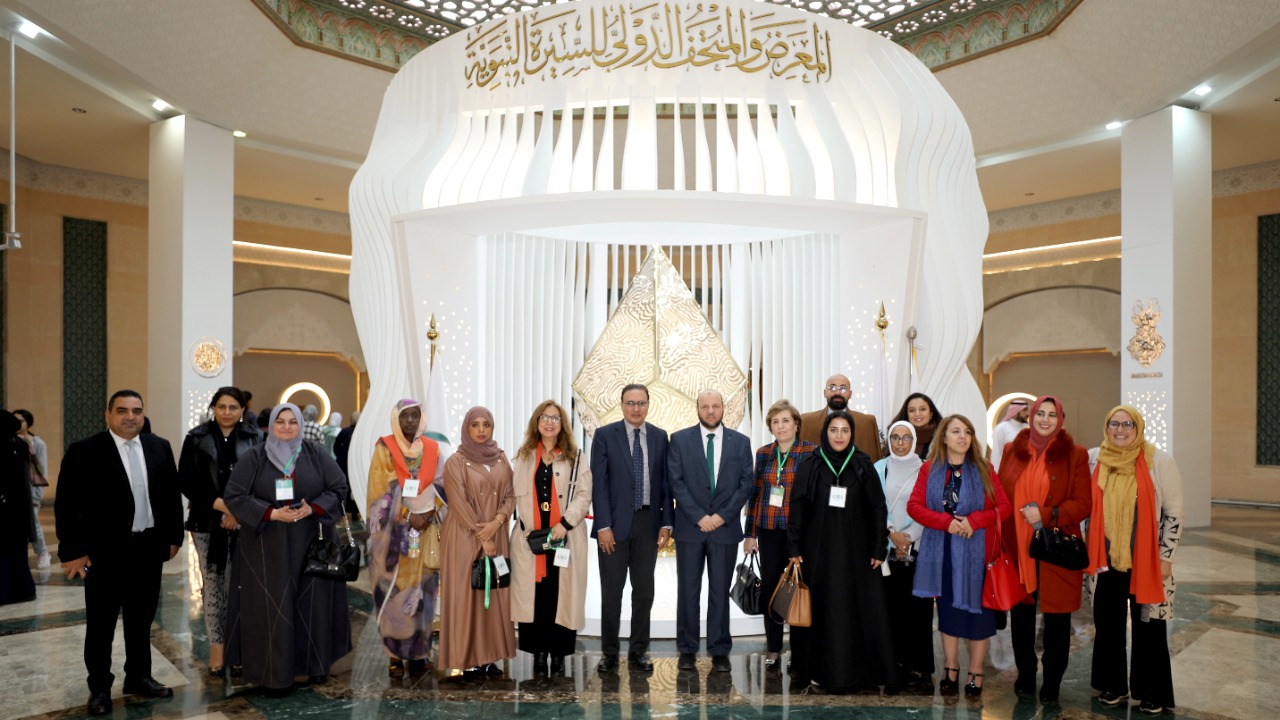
x=84 y=327
x=1268 y=339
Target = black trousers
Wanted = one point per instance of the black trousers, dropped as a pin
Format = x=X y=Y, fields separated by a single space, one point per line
x=127 y=582
x=636 y=556
x=772 y=546
x=910 y=621
x=718 y=559
x=1151 y=677
x=1057 y=646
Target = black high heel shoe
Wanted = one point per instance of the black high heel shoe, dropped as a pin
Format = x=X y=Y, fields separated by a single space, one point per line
x=972 y=690
x=948 y=685
x=540 y=664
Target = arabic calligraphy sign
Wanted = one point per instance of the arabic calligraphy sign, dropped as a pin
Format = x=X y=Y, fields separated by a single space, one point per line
x=555 y=41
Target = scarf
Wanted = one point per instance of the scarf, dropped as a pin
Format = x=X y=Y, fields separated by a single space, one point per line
x=836 y=457
x=968 y=555
x=1013 y=408
x=541 y=560
x=1032 y=486
x=283 y=453
x=410 y=448
x=1131 y=536
x=924 y=436
x=1040 y=442
x=486 y=454
x=900 y=471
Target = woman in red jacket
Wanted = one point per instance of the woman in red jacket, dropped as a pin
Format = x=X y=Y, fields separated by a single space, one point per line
x=957 y=497
x=1047 y=475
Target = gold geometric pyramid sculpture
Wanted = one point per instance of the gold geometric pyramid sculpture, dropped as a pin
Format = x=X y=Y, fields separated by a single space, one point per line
x=659 y=336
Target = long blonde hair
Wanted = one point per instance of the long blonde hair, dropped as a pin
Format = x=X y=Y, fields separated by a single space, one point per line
x=938 y=452
x=533 y=438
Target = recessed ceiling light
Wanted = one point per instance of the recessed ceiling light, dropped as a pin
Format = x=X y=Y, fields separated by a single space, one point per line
x=238 y=133
x=1114 y=125
x=30 y=29
x=79 y=110
x=160 y=105
x=1203 y=90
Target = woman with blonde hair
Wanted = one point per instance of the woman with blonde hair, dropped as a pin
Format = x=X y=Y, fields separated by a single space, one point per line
x=553 y=492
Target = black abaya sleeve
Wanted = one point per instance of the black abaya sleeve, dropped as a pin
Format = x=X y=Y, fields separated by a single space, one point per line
x=798 y=506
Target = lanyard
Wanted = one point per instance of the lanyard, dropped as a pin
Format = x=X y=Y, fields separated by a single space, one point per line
x=782 y=461
x=288 y=466
x=832 y=467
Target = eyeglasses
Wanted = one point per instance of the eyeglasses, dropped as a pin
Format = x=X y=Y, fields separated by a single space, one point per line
x=636 y=403
x=549 y=418
x=838 y=388
x=899 y=438
x=1117 y=424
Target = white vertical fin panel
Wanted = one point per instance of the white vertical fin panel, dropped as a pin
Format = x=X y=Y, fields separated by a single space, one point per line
x=479 y=171
x=535 y=181
x=584 y=160
x=433 y=191
x=450 y=191
x=777 y=172
x=702 y=167
x=677 y=148
x=604 y=163
x=560 y=177
x=640 y=149
x=750 y=169
x=726 y=156
x=513 y=184
x=500 y=167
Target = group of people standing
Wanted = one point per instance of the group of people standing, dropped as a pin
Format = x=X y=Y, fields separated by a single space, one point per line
x=881 y=542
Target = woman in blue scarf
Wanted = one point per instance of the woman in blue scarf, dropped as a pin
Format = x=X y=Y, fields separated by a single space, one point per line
x=956 y=498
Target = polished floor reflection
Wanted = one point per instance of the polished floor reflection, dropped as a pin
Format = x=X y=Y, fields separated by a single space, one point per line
x=1226 y=644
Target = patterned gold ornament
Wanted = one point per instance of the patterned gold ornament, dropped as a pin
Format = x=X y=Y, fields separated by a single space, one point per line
x=208 y=358
x=1146 y=345
x=659 y=336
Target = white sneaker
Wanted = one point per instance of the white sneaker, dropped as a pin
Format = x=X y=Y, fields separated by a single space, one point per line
x=42 y=562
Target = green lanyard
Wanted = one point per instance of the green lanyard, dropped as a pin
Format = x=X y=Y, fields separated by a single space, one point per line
x=782 y=461
x=288 y=467
x=832 y=467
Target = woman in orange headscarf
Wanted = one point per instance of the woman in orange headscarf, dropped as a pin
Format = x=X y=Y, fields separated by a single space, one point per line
x=1134 y=530
x=1047 y=475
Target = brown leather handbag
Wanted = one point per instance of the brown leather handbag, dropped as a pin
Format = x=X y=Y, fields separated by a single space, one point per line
x=790 y=602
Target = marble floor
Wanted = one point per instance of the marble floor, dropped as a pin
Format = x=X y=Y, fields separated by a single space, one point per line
x=1225 y=640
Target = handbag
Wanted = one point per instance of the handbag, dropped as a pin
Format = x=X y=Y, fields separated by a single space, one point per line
x=484 y=576
x=1053 y=546
x=1001 y=586
x=540 y=542
x=431 y=547
x=333 y=559
x=747 y=587
x=790 y=601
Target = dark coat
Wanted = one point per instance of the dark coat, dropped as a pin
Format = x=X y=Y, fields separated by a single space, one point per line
x=611 y=490
x=198 y=471
x=1069 y=493
x=94 y=505
x=866 y=433
x=691 y=487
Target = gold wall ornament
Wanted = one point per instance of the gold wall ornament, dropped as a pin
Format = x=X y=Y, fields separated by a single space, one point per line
x=658 y=336
x=1146 y=345
x=207 y=357
x=558 y=41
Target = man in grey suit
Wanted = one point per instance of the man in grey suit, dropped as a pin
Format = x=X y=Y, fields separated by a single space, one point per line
x=632 y=506
x=710 y=470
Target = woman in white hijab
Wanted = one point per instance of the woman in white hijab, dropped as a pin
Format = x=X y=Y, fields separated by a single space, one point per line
x=910 y=617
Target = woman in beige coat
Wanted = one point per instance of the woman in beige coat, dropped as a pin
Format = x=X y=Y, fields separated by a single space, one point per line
x=553 y=492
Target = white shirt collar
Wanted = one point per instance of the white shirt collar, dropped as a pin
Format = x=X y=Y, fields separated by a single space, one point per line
x=121 y=441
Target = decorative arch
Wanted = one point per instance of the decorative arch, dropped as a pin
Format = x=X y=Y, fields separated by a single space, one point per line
x=297 y=320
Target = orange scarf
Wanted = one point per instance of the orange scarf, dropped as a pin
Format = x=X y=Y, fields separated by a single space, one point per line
x=1146 y=583
x=541 y=560
x=1032 y=487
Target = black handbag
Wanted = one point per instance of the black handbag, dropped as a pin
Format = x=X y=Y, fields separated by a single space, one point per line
x=540 y=542
x=1055 y=547
x=331 y=558
x=484 y=576
x=747 y=588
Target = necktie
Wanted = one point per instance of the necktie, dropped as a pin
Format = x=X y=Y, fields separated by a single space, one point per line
x=141 y=503
x=711 y=461
x=637 y=471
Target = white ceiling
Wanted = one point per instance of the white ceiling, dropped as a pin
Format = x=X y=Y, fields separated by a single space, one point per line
x=1036 y=110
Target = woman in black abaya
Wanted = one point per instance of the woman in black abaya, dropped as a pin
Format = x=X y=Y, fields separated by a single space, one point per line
x=837 y=531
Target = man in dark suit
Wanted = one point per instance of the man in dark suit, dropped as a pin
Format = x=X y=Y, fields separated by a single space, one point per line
x=710 y=468
x=119 y=519
x=632 y=506
x=837 y=391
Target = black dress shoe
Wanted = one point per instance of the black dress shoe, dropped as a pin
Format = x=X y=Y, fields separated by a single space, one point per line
x=608 y=664
x=492 y=670
x=720 y=663
x=639 y=661
x=540 y=664
x=99 y=703
x=147 y=687
x=688 y=661
x=557 y=666
x=317 y=679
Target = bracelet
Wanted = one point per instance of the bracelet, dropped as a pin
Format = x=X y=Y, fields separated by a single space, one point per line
x=565 y=524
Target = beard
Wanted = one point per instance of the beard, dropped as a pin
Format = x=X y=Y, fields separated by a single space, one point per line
x=717 y=424
x=837 y=402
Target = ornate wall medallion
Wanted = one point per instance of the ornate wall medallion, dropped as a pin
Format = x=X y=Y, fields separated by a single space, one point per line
x=1146 y=345
x=208 y=358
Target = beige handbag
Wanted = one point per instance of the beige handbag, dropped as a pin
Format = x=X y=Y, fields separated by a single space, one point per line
x=431 y=547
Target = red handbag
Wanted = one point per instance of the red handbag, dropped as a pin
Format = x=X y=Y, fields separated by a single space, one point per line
x=1002 y=588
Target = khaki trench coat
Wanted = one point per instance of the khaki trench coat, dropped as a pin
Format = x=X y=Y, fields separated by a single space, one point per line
x=571 y=608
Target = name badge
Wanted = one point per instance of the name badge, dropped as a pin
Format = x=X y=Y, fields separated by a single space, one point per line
x=412 y=487
x=838 y=495
x=284 y=489
x=500 y=564
x=776 y=494
x=562 y=557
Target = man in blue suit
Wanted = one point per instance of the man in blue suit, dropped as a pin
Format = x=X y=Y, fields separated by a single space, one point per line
x=632 y=506
x=711 y=473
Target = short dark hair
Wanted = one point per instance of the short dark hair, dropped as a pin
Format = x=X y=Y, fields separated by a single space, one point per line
x=233 y=392
x=634 y=386
x=26 y=415
x=120 y=394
